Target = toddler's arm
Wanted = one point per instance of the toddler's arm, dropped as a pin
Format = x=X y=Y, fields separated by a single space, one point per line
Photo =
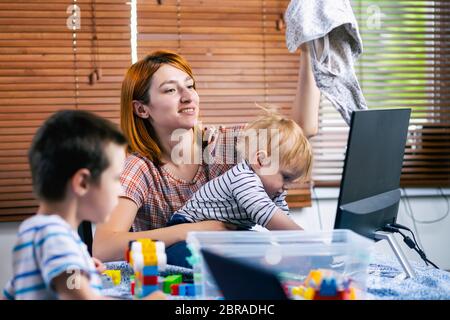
x=280 y=221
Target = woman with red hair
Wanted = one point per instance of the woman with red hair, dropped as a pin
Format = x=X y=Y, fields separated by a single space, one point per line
x=159 y=99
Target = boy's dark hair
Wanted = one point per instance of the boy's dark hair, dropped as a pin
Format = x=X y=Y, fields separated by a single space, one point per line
x=68 y=141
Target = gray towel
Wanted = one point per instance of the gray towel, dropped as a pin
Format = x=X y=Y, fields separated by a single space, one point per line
x=329 y=25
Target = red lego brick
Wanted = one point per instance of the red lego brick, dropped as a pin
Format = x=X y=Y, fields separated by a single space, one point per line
x=150 y=280
x=174 y=289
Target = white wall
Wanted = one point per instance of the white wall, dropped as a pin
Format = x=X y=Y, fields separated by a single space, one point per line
x=434 y=237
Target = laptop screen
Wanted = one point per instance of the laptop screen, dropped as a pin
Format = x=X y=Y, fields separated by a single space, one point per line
x=255 y=282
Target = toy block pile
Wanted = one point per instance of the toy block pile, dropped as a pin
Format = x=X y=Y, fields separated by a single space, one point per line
x=324 y=285
x=147 y=258
x=175 y=286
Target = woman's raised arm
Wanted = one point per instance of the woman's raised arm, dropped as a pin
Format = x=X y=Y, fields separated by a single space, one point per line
x=305 y=110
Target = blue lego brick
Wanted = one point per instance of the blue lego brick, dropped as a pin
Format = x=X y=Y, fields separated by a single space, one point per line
x=190 y=290
x=150 y=271
x=328 y=287
x=146 y=290
x=182 y=289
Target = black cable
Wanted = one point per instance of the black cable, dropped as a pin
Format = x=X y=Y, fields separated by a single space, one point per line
x=410 y=243
x=400 y=226
x=395 y=227
x=419 y=250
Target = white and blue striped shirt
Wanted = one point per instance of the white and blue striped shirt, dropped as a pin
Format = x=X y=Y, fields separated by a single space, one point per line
x=236 y=197
x=46 y=247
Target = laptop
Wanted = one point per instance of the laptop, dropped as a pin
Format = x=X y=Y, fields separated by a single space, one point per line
x=240 y=280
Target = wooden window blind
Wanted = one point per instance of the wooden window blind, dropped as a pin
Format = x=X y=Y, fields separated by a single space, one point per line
x=40 y=75
x=238 y=54
x=405 y=63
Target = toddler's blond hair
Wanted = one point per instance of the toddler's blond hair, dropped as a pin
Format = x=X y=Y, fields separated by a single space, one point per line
x=294 y=150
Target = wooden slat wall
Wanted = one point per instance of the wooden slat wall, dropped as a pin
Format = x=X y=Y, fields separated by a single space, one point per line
x=37 y=78
x=238 y=56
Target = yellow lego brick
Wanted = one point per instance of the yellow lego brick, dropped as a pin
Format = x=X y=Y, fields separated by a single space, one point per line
x=148 y=251
x=114 y=275
x=147 y=244
x=316 y=275
x=352 y=294
x=314 y=278
x=150 y=260
x=144 y=241
x=309 y=293
x=298 y=291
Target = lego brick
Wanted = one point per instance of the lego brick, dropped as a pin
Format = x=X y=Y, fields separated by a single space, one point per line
x=182 y=289
x=146 y=290
x=150 y=260
x=150 y=280
x=174 y=289
x=328 y=287
x=150 y=270
x=169 y=280
x=114 y=275
x=145 y=241
x=190 y=289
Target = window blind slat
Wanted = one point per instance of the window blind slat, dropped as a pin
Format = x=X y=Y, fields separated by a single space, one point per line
x=37 y=78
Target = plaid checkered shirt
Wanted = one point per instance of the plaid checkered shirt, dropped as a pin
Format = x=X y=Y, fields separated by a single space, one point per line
x=158 y=193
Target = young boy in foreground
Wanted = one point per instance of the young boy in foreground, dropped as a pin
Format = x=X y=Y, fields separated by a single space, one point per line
x=76 y=159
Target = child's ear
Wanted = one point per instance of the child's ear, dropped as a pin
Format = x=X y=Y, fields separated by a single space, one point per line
x=262 y=159
x=80 y=181
x=141 y=110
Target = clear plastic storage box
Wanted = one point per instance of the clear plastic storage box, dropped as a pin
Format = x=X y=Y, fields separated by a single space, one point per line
x=285 y=252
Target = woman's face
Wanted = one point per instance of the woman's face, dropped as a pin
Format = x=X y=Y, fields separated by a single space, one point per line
x=173 y=100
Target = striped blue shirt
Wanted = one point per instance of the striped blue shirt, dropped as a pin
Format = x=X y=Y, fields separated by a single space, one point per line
x=47 y=246
x=236 y=197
